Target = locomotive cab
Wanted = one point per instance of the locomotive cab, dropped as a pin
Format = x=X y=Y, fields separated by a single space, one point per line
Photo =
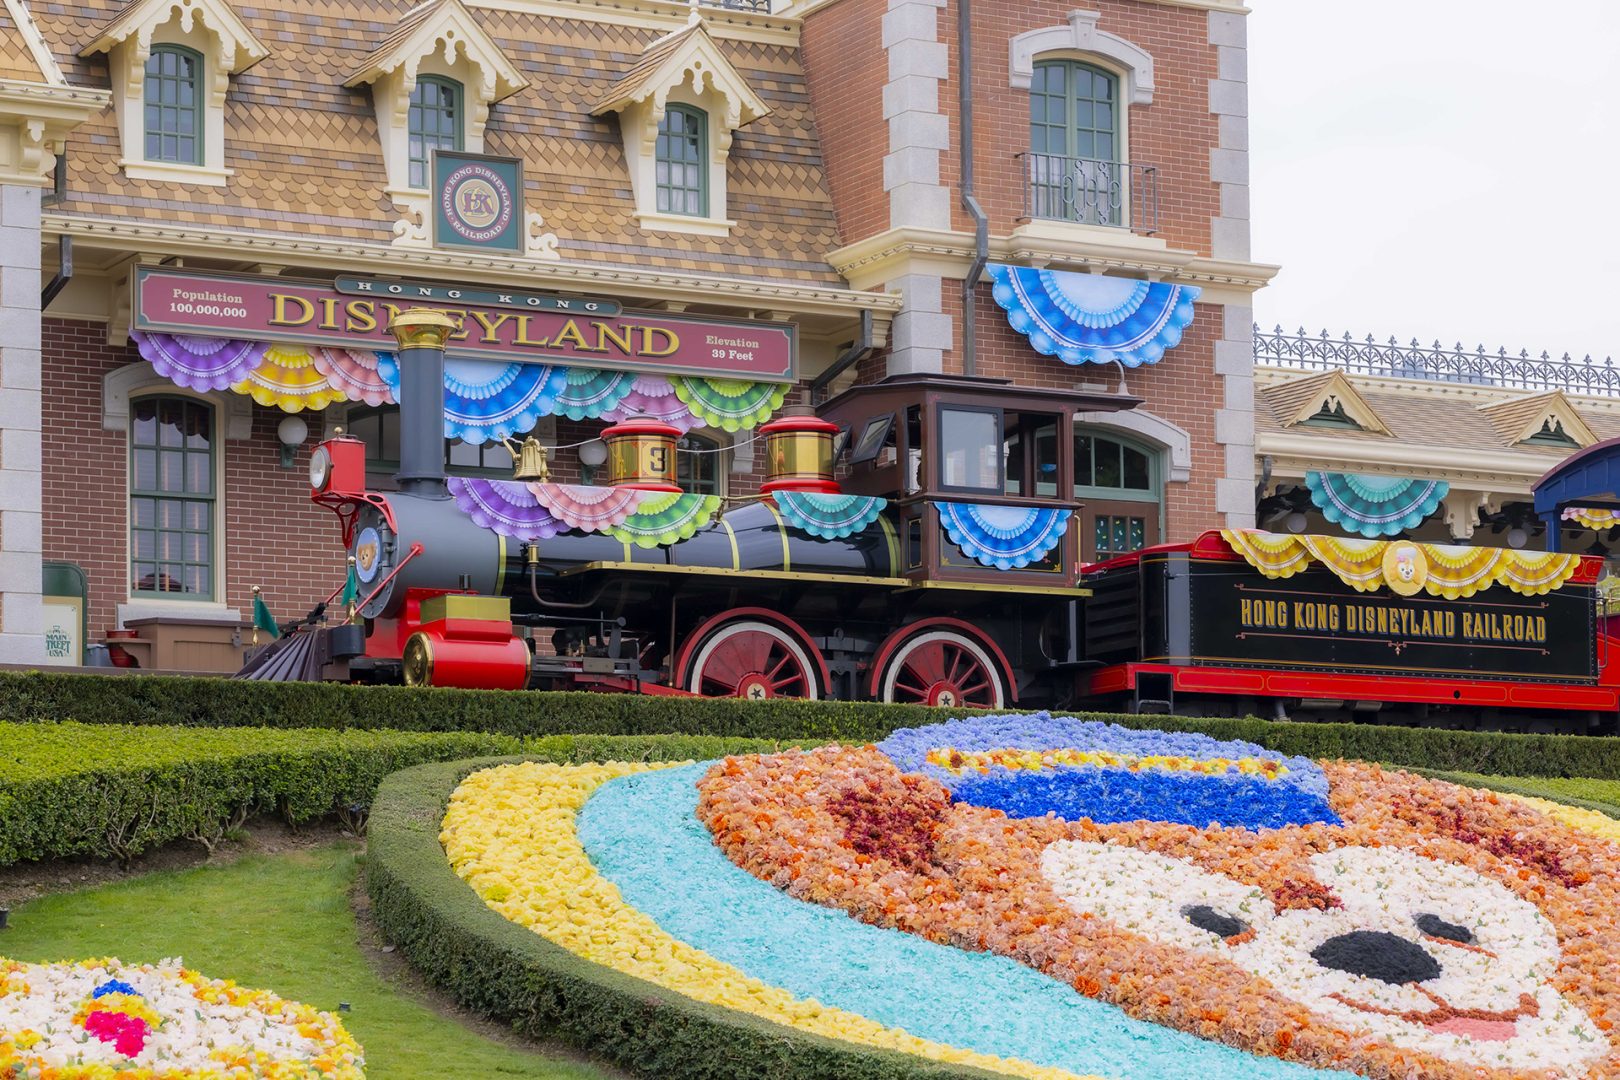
x=934 y=445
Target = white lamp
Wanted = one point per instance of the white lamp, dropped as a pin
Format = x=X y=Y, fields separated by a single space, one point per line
x=1295 y=522
x=592 y=455
x=292 y=431
x=1517 y=537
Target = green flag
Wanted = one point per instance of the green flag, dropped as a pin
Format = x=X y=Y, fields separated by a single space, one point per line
x=351 y=589
x=262 y=619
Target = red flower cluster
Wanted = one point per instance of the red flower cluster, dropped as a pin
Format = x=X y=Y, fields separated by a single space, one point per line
x=126 y=1033
x=844 y=828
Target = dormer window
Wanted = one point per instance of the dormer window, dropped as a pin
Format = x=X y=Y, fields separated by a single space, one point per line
x=434 y=123
x=679 y=106
x=681 y=155
x=174 y=105
x=1552 y=433
x=1331 y=415
x=171 y=63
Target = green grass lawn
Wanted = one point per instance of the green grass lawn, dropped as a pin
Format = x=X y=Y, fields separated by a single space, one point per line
x=1600 y=795
x=281 y=922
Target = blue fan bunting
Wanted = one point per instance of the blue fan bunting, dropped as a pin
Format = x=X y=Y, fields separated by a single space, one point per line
x=1374 y=505
x=829 y=516
x=1005 y=537
x=1090 y=318
x=486 y=399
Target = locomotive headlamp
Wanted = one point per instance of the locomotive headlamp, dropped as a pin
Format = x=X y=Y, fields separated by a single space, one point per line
x=799 y=455
x=292 y=431
x=320 y=469
x=641 y=454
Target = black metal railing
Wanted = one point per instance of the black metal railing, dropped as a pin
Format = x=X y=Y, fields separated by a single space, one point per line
x=1435 y=363
x=760 y=7
x=1091 y=192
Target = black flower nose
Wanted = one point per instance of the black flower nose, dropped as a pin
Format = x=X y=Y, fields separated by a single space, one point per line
x=1377 y=955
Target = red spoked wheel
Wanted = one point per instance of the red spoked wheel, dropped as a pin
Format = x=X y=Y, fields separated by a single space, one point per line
x=752 y=659
x=942 y=667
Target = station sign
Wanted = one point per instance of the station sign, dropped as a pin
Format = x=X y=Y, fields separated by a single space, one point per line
x=492 y=324
x=477 y=201
x=1314 y=622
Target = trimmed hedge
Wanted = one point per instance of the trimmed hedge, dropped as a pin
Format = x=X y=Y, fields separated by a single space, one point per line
x=211 y=702
x=114 y=791
x=511 y=974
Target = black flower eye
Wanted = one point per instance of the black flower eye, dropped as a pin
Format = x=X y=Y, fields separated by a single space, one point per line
x=1207 y=918
x=1436 y=927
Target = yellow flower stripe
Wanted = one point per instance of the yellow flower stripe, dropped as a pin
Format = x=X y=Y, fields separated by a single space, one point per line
x=510 y=833
x=1587 y=821
x=982 y=761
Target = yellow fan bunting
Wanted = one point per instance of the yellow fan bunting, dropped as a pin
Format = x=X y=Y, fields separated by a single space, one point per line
x=1447 y=570
x=1592 y=519
x=288 y=380
x=1358 y=563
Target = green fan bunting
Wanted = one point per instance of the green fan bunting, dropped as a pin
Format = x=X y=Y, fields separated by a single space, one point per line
x=666 y=519
x=730 y=404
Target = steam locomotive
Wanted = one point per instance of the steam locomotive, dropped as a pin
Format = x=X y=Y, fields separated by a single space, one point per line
x=909 y=605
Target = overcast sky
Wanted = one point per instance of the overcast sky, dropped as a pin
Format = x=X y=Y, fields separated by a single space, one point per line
x=1440 y=169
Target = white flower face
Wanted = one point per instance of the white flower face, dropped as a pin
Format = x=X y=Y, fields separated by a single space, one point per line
x=1427 y=955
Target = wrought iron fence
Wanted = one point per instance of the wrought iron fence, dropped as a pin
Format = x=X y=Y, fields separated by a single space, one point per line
x=1436 y=363
x=762 y=7
x=1091 y=192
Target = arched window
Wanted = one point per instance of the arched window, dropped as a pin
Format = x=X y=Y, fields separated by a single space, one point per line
x=173 y=102
x=434 y=123
x=1119 y=483
x=681 y=162
x=171 y=498
x=1075 y=142
x=698 y=465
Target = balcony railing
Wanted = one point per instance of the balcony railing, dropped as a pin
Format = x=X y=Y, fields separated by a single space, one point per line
x=1435 y=363
x=758 y=7
x=1091 y=192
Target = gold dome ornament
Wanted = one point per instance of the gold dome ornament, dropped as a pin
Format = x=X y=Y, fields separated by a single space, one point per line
x=422 y=327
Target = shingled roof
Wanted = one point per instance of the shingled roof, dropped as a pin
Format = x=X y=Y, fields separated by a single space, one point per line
x=306 y=157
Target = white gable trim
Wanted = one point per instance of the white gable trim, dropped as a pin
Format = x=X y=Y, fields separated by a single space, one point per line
x=1080 y=35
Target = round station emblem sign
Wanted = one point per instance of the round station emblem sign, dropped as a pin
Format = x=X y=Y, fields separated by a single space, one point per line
x=477 y=202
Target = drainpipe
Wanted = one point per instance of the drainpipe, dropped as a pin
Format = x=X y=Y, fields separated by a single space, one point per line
x=981 y=224
x=64 y=271
x=858 y=351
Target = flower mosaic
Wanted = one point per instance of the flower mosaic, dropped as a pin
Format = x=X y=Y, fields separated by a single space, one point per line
x=1050 y=897
x=104 y=1020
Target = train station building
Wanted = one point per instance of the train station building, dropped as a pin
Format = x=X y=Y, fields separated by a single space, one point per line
x=705 y=213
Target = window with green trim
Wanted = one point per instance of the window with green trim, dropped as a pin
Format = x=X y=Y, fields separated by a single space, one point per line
x=171 y=498
x=433 y=123
x=682 y=162
x=173 y=103
x=378 y=427
x=1118 y=484
x=697 y=465
x=1075 y=143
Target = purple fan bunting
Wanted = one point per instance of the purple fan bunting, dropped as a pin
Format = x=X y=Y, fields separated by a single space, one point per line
x=505 y=506
x=200 y=363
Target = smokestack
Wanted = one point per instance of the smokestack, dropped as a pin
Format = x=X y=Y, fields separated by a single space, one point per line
x=421 y=333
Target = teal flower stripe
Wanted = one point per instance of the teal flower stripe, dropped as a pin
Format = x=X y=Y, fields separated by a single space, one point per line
x=665 y=519
x=831 y=517
x=1374 y=506
x=730 y=404
x=642 y=834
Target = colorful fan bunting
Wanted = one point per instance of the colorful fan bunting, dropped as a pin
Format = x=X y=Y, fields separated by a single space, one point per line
x=831 y=517
x=199 y=363
x=1005 y=537
x=730 y=404
x=353 y=373
x=654 y=396
x=590 y=509
x=1592 y=519
x=665 y=518
x=1450 y=570
x=287 y=380
x=504 y=506
x=1374 y=505
x=486 y=400
x=591 y=393
x=1091 y=318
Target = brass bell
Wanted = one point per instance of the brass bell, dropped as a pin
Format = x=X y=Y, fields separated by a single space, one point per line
x=528 y=460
